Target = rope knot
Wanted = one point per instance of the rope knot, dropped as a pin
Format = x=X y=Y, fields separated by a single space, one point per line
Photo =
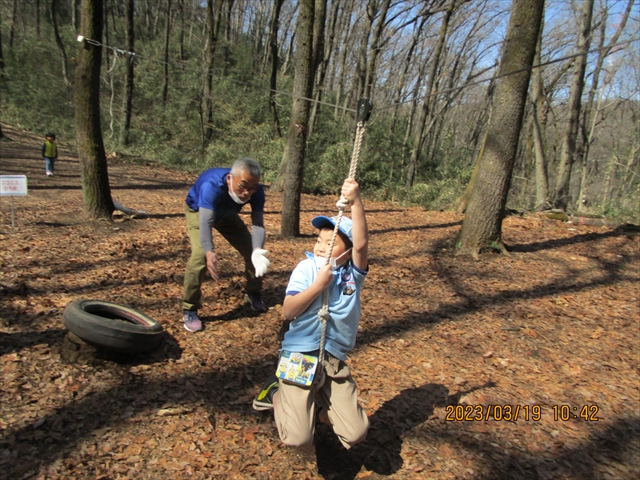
x=342 y=204
x=323 y=314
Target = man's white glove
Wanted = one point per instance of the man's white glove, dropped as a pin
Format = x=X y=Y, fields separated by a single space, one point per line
x=260 y=261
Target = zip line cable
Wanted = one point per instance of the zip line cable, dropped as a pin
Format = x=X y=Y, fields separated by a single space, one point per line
x=133 y=55
x=248 y=84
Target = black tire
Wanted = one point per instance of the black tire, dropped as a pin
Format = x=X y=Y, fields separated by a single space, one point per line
x=112 y=326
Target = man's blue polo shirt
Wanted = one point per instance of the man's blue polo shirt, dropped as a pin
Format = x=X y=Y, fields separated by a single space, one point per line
x=211 y=191
x=344 y=308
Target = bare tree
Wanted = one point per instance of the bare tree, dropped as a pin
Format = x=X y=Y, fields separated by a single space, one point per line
x=345 y=29
x=213 y=24
x=127 y=100
x=568 y=154
x=482 y=225
x=273 y=79
x=14 y=19
x=1 y=50
x=75 y=17
x=165 y=75
x=181 y=36
x=54 y=20
x=323 y=46
x=93 y=161
x=38 y=18
x=539 y=120
x=591 y=111
x=431 y=82
x=293 y=158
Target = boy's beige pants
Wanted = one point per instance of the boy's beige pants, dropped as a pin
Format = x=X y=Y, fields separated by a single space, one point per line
x=295 y=407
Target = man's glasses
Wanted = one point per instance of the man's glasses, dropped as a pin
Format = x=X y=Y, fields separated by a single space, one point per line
x=244 y=186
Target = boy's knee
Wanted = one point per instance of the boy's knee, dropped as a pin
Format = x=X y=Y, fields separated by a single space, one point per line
x=354 y=433
x=354 y=437
x=298 y=440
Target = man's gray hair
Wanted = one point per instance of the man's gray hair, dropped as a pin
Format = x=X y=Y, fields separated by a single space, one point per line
x=248 y=165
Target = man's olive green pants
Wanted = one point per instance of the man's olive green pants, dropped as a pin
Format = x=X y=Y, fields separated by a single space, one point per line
x=236 y=232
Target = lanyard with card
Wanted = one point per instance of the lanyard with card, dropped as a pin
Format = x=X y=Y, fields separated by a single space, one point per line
x=297 y=368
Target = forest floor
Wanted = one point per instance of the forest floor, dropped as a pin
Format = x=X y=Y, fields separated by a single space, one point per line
x=519 y=366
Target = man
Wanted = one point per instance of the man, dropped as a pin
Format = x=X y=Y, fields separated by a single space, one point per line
x=214 y=201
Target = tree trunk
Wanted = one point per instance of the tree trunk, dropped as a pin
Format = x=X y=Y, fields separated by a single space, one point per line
x=346 y=28
x=75 y=17
x=589 y=116
x=361 y=66
x=376 y=47
x=568 y=154
x=273 y=81
x=14 y=19
x=402 y=82
x=463 y=201
x=227 y=30
x=323 y=55
x=213 y=22
x=54 y=21
x=38 y=18
x=129 y=76
x=482 y=225
x=93 y=161
x=1 y=51
x=165 y=73
x=293 y=157
x=539 y=120
x=181 y=36
x=424 y=112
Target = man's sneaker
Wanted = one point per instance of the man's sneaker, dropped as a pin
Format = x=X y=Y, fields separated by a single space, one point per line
x=49 y=174
x=191 y=320
x=255 y=300
x=264 y=399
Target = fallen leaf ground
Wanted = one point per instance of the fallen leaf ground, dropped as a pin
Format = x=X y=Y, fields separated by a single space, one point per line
x=441 y=339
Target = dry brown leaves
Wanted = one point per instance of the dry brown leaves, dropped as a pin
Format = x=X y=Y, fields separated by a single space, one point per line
x=442 y=341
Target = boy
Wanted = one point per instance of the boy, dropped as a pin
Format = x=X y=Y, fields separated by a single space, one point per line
x=295 y=405
x=49 y=153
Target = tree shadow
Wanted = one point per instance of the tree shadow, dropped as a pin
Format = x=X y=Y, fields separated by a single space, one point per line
x=381 y=451
x=66 y=426
x=168 y=349
x=622 y=230
x=14 y=342
x=414 y=227
x=271 y=296
x=616 y=442
x=157 y=186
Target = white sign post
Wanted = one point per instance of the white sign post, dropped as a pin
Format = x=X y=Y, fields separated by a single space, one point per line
x=13 y=186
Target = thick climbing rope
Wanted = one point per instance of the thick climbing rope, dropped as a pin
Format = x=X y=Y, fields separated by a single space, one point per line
x=364 y=110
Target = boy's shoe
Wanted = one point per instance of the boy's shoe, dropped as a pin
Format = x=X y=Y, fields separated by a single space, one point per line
x=49 y=174
x=264 y=399
x=191 y=320
x=255 y=300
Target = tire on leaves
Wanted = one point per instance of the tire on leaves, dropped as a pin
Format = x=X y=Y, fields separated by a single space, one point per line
x=112 y=326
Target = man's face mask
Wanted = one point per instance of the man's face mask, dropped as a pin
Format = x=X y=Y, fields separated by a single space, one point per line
x=334 y=262
x=235 y=197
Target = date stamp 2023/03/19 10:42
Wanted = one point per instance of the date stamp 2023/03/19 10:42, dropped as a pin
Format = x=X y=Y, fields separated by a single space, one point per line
x=513 y=413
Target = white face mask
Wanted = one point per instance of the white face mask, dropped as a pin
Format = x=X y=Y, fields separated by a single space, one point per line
x=235 y=197
x=334 y=262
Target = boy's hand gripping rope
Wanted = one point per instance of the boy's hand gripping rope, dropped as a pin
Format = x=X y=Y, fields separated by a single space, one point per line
x=364 y=111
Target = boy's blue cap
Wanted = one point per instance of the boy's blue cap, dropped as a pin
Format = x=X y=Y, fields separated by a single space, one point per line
x=346 y=225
